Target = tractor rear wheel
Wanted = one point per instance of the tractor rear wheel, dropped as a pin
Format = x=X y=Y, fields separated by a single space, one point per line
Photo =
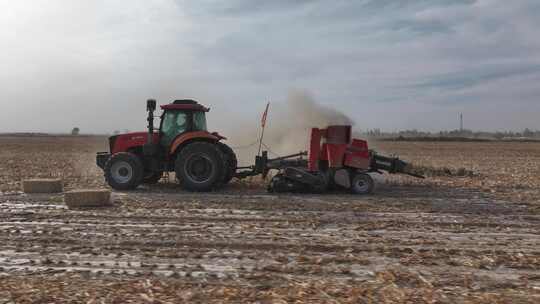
x=230 y=159
x=200 y=166
x=362 y=183
x=124 y=171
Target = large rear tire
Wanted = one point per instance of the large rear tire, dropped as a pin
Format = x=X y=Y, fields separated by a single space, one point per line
x=362 y=184
x=231 y=162
x=124 y=171
x=200 y=166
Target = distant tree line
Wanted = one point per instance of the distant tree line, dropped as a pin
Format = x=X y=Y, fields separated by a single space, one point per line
x=499 y=135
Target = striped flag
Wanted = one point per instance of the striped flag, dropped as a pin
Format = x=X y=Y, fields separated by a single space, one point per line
x=263 y=120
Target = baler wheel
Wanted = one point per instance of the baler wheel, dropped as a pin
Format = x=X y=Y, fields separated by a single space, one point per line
x=124 y=171
x=200 y=166
x=362 y=183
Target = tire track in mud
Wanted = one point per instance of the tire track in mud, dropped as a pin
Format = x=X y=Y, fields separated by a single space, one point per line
x=238 y=236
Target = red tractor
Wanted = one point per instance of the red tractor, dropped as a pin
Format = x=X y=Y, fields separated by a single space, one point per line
x=182 y=144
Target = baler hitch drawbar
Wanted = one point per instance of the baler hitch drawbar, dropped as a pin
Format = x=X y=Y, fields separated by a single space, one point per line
x=263 y=164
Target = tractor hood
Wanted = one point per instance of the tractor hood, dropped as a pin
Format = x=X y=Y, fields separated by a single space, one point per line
x=124 y=142
x=134 y=136
x=134 y=140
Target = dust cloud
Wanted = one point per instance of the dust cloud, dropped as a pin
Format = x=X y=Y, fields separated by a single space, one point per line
x=287 y=129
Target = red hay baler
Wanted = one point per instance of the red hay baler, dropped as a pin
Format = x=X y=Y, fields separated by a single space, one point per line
x=334 y=160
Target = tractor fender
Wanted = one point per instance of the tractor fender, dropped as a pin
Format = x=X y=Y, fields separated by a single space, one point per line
x=183 y=139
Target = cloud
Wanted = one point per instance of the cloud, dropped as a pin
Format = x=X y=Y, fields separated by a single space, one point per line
x=385 y=63
x=472 y=77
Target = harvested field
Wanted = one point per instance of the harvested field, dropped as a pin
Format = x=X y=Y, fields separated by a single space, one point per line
x=445 y=239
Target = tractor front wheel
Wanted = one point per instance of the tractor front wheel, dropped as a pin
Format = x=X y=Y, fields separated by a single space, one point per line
x=362 y=183
x=200 y=166
x=124 y=171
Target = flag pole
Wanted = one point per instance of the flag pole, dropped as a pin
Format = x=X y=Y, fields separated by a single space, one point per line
x=263 y=125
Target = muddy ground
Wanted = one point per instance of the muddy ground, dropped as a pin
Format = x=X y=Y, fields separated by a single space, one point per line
x=447 y=239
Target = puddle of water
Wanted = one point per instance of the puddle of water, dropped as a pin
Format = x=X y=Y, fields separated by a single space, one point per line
x=20 y=205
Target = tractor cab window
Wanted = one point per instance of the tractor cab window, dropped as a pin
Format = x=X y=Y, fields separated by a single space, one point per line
x=174 y=123
x=199 y=121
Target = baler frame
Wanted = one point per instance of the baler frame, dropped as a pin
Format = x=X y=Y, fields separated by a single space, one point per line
x=339 y=161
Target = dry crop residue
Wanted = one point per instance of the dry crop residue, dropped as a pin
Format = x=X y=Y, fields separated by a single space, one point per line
x=446 y=240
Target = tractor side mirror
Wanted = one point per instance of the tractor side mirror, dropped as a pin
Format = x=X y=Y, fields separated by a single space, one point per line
x=151 y=105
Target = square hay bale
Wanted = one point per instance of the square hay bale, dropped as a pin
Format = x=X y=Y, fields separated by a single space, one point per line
x=43 y=185
x=87 y=198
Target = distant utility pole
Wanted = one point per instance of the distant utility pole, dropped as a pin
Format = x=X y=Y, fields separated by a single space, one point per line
x=461 y=122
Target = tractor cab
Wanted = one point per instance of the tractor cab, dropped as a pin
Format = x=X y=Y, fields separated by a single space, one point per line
x=180 y=117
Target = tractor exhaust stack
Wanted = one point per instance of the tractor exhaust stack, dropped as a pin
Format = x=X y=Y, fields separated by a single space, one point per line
x=150 y=107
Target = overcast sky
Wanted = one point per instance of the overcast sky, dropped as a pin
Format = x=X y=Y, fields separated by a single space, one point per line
x=390 y=64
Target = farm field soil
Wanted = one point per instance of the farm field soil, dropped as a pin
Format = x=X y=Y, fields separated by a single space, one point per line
x=445 y=239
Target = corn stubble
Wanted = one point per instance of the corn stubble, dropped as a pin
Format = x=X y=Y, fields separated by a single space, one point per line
x=466 y=234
